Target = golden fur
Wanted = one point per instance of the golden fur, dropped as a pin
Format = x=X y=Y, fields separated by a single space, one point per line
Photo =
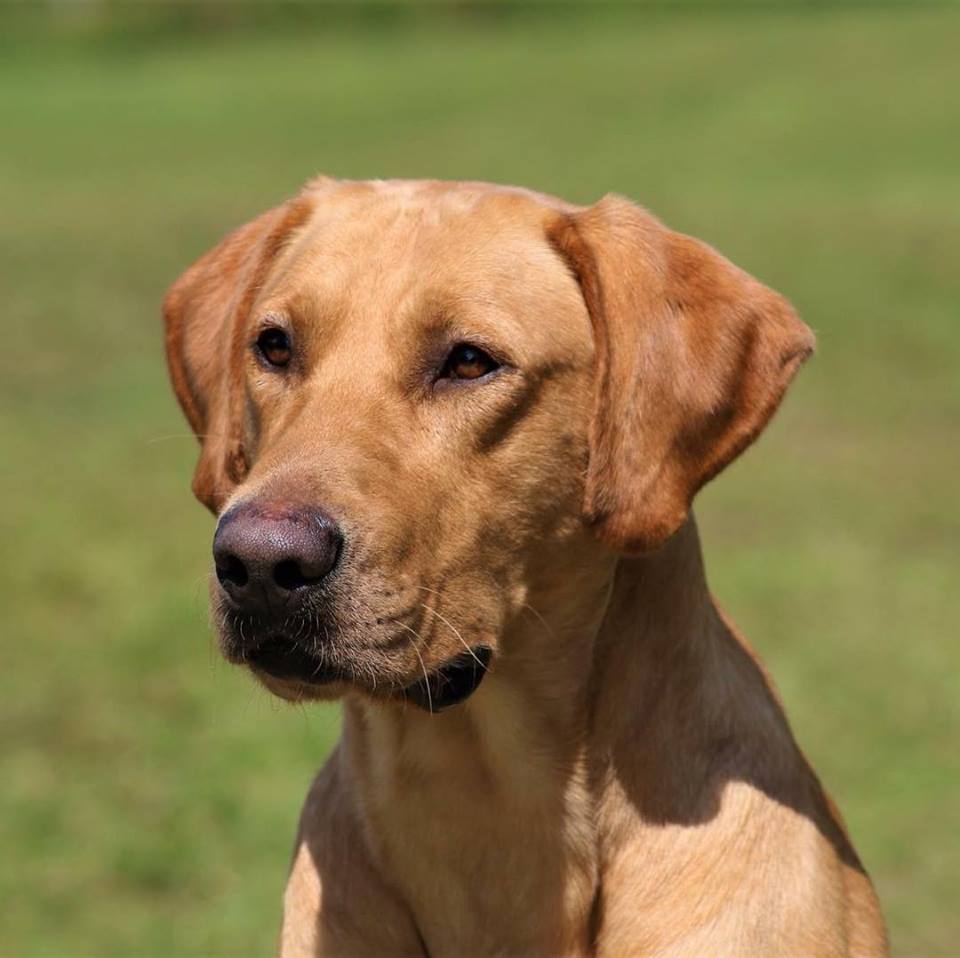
x=624 y=781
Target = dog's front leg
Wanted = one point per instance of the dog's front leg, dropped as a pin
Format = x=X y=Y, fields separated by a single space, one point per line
x=337 y=903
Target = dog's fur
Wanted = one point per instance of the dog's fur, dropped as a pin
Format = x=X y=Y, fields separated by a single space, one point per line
x=624 y=781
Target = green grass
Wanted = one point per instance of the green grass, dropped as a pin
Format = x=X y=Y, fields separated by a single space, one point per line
x=149 y=791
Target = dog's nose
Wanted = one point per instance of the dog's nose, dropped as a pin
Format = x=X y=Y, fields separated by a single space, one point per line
x=270 y=558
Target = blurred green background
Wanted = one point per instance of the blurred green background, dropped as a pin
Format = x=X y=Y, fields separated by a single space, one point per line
x=149 y=792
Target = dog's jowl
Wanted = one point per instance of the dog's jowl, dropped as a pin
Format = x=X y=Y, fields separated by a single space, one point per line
x=451 y=433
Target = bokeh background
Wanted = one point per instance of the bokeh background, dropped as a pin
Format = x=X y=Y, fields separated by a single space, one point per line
x=148 y=792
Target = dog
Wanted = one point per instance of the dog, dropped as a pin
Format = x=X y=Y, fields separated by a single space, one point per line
x=451 y=433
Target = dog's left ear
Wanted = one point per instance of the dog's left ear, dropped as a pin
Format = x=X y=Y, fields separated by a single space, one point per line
x=693 y=358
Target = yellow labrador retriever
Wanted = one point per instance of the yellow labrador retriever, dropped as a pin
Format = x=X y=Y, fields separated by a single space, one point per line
x=452 y=432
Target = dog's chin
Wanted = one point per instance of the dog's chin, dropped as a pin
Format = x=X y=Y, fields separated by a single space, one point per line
x=442 y=689
x=289 y=671
x=295 y=690
x=295 y=674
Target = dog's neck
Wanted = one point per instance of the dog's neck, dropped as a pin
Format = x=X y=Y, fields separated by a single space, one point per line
x=520 y=774
x=568 y=683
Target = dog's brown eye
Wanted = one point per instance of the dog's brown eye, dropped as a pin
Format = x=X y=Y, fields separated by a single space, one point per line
x=468 y=362
x=274 y=345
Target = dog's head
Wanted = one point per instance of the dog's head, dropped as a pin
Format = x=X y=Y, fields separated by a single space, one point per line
x=424 y=406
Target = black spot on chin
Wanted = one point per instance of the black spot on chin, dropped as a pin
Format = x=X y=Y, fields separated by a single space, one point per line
x=451 y=683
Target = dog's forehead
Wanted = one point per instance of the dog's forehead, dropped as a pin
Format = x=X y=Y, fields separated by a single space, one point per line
x=382 y=246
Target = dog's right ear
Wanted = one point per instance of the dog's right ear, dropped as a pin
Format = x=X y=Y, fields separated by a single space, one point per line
x=205 y=313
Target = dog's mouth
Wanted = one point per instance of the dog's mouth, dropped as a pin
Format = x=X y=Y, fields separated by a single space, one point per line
x=280 y=658
x=449 y=685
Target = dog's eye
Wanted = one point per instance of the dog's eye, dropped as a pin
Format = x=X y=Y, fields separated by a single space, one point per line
x=274 y=345
x=468 y=362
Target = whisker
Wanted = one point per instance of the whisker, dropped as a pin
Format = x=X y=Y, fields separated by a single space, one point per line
x=426 y=679
x=423 y=668
x=546 y=625
x=450 y=626
x=413 y=632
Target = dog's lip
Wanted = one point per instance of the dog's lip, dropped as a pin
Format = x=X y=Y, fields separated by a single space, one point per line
x=452 y=683
x=282 y=659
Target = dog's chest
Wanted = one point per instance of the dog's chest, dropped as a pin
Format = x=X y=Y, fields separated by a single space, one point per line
x=488 y=877
x=488 y=858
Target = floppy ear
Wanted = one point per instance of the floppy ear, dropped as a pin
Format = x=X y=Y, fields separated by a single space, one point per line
x=205 y=313
x=693 y=358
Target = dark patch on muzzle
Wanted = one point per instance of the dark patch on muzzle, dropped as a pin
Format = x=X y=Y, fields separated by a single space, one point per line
x=452 y=683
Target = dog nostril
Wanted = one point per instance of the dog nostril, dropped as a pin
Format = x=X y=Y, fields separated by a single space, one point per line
x=231 y=569
x=289 y=574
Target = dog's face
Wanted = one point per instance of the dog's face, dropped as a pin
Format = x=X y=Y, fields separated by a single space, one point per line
x=415 y=375
x=424 y=407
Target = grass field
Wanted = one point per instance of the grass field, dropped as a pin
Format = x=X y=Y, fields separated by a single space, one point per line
x=149 y=792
